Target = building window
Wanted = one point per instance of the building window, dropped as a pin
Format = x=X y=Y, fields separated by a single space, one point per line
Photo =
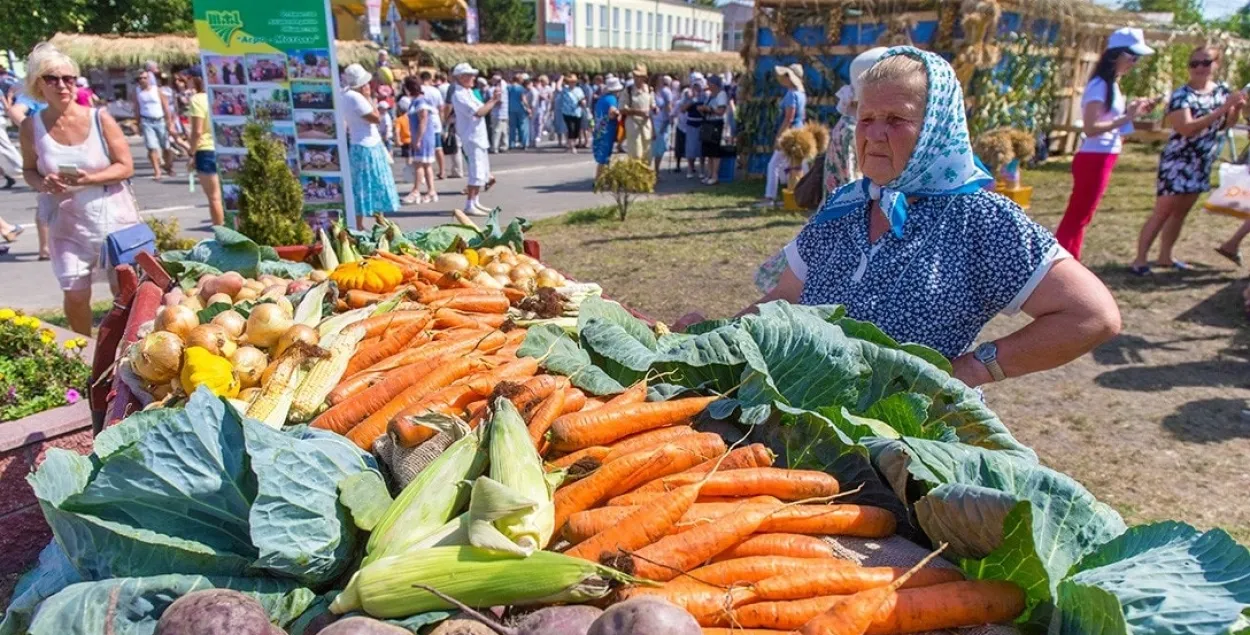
x=590 y=24
x=629 y=25
x=650 y=41
x=603 y=25
x=638 y=23
x=616 y=27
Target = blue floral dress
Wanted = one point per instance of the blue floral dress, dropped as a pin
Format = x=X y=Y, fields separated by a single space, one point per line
x=605 y=129
x=1185 y=165
x=961 y=260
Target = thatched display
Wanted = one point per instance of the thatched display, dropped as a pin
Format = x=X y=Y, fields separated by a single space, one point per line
x=131 y=51
x=564 y=59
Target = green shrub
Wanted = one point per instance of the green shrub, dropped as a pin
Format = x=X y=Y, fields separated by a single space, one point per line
x=625 y=178
x=271 y=202
x=36 y=373
x=167 y=238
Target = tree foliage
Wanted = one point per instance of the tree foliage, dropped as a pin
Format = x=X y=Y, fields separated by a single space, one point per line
x=1184 y=12
x=25 y=24
x=271 y=202
x=505 y=22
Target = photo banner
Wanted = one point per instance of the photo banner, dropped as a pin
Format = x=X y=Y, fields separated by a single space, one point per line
x=277 y=60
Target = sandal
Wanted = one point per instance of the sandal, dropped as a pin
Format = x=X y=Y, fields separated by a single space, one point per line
x=1141 y=271
x=12 y=234
x=1234 y=256
x=489 y=184
x=412 y=199
x=1178 y=265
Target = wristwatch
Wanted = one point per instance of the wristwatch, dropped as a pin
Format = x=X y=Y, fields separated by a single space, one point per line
x=987 y=354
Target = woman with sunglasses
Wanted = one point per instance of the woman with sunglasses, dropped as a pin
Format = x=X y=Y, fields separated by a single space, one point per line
x=1106 y=116
x=77 y=159
x=1198 y=114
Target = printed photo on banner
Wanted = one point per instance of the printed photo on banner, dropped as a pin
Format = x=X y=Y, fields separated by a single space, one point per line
x=316 y=157
x=285 y=130
x=321 y=215
x=265 y=67
x=228 y=102
x=312 y=95
x=322 y=189
x=271 y=103
x=230 y=194
x=309 y=63
x=229 y=165
x=224 y=70
x=315 y=124
x=228 y=134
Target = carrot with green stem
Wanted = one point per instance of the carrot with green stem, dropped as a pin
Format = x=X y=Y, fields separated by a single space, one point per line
x=612 y=423
x=854 y=614
x=784 y=484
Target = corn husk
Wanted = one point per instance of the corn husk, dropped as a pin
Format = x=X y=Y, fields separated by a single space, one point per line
x=516 y=465
x=477 y=577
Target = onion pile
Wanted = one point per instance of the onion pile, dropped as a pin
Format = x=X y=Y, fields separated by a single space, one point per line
x=500 y=267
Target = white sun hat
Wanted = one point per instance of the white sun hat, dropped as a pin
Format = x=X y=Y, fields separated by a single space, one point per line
x=355 y=76
x=463 y=68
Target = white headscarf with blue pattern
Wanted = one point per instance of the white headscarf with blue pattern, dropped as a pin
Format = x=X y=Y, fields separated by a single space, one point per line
x=941 y=164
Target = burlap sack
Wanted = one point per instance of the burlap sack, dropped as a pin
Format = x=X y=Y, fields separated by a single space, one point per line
x=404 y=464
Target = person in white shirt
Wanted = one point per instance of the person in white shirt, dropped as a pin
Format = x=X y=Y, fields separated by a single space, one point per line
x=155 y=122
x=438 y=100
x=501 y=115
x=471 y=126
x=373 y=183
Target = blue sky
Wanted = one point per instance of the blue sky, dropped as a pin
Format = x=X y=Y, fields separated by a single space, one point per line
x=1212 y=8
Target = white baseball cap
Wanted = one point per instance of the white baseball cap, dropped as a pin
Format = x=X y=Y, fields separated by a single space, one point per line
x=463 y=68
x=1130 y=38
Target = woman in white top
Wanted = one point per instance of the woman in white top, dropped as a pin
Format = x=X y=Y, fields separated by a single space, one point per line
x=1106 y=117
x=77 y=159
x=156 y=122
x=373 y=183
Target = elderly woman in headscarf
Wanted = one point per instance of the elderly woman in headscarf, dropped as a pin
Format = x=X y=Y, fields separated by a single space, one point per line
x=919 y=248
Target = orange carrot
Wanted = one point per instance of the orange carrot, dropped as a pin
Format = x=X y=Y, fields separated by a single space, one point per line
x=716 y=630
x=634 y=394
x=791 y=545
x=861 y=521
x=374 y=426
x=787 y=485
x=460 y=344
x=583 y=525
x=353 y=385
x=593 y=489
x=477 y=412
x=484 y=383
x=395 y=339
x=948 y=606
x=513 y=295
x=574 y=400
x=543 y=416
x=342 y=416
x=781 y=615
x=647 y=525
x=595 y=453
x=673 y=555
x=708 y=604
x=648 y=439
x=376 y=325
x=449 y=401
x=611 y=423
x=805 y=584
x=538 y=388
x=854 y=614
x=754 y=455
x=747 y=571
x=592 y=403
x=359 y=298
x=680 y=454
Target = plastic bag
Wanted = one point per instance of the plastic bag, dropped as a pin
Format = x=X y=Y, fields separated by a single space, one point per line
x=1232 y=197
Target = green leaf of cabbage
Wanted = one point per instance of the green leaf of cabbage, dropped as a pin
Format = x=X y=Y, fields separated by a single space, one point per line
x=132 y=606
x=560 y=354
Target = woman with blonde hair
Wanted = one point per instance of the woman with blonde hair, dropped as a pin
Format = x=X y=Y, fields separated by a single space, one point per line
x=78 y=159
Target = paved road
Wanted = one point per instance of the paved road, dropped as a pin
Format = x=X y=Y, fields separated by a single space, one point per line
x=533 y=185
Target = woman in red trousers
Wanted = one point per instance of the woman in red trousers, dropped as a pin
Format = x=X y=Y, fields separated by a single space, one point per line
x=1106 y=117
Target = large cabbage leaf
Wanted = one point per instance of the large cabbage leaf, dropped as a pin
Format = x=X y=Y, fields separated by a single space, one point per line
x=200 y=490
x=1165 y=579
x=132 y=606
x=558 y=353
x=1008 y=517
x=229 y=250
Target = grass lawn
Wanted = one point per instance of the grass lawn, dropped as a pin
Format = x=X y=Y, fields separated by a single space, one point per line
x=57 y=316
x=1151 y=422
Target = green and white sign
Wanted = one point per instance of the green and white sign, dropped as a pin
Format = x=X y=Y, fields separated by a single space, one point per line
x=277 y=60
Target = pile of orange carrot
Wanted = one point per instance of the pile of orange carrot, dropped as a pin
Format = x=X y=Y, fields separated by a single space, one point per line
x=734 y=540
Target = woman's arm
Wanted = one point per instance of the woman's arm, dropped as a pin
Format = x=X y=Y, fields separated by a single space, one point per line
x=169 y=114
x=423 y=119
x=1094 y=110
x=1072 y=312
x=30 y=163
x=1183 y=122
x=786 y=120
x=789 y=288
x=122 y=166
x=197 y=129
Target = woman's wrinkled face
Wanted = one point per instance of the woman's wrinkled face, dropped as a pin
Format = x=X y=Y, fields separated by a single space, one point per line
x=58 y=84
x=891 y=115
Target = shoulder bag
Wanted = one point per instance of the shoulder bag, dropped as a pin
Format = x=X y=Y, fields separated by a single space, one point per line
x=122 y=246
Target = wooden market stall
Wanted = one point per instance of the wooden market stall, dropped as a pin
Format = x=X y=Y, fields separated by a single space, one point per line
x=536 y=59
x=1036 y=54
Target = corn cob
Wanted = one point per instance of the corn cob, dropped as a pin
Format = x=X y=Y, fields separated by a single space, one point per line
x=274 y=402
x=477 y=577
x=431 y=499
x=325 y=374
x=514 y=463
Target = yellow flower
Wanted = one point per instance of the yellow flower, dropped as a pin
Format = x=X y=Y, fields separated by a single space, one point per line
x=7 y=314
x=71 y=344
x=47 y=337
x=33 y=323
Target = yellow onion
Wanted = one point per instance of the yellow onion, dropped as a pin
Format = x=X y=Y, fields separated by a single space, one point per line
x=498 y=268
x=193 y=302
x=266 y=324
x=507 y=257
x=232 y=321
x=246 y=294
x=503 y=280
x=297 y=333
x=157 y=357
x=549 y=278
x=211 y=337
x=178 y=319
x=219 y=298
x=255 y=285
x=451 y=262
x=522 y=272
x=249 y=363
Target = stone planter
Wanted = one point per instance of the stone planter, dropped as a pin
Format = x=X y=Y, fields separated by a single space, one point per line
x=23 y=445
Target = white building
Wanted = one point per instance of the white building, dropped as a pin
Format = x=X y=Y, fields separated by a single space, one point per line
x=736 y=15
x=643 y=24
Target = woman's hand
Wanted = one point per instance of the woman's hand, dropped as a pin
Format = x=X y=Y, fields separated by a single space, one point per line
x=970 y=371
x=53 y=184
x=79 y=178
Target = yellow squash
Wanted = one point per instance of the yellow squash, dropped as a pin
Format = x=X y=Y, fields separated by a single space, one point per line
x=370 y=274
x=202 y=368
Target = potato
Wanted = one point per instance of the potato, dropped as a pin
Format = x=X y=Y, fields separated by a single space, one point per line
x=228 y=283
